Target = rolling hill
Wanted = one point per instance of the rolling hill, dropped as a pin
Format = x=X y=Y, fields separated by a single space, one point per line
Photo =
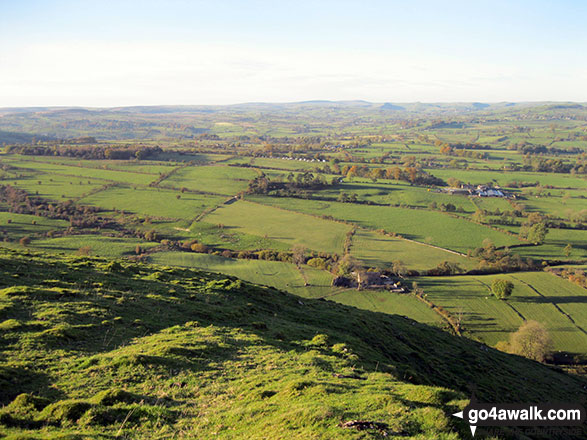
x=94 y=348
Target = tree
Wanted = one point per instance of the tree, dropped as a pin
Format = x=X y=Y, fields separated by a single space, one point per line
x=568 y=249
x=399 y=268
x=346 y=265
x=531 y=340
x=298 y=255
x=453 y=182
x=502 y=288
x=537 y=233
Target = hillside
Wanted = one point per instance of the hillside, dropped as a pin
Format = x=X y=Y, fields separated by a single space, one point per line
x=97 y=348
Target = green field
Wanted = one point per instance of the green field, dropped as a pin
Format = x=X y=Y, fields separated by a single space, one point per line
x=80 y=172
x=284 y=276
x=428 y=226
x=377 y=250
x=215 y=179
x=491 y=320
x=111 y=247
x=16 y=226
x=277 y=224
x=153 y=202
x=57 y=187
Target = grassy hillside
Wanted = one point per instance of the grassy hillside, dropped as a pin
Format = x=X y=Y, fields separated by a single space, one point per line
x=101 y=349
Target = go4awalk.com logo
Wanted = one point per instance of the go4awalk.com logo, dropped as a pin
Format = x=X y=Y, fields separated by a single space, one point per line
x=524 y=414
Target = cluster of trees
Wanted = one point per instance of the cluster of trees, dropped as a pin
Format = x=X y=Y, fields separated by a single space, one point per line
x=446 y=268
x=499 y=260
x=412 y=174
x=293 y=185
x=445 y=207
x=450 y=150
x=20 y=202
x=528 y=148
x=96 y=152
x=542 y=164
x=576 y=276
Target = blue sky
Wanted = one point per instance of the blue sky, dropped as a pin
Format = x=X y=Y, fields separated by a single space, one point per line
x=111 y=53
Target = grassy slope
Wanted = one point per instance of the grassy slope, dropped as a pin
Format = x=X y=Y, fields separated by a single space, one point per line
x=183 y=353
x=286 y=277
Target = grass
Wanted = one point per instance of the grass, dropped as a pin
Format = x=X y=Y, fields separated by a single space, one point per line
x=97 y=245
x=101 y=349
x=30 y=163
x=223 y=238
x=216 y=179
x=16 y=226
x=56 y=187
x=503 y=178
x=426 y=226
x=492 y=320
x=153 y=202
x=284 y=276
x=377 y=250
x=288 y=227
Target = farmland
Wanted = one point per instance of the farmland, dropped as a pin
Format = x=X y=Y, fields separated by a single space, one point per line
x=308 y=200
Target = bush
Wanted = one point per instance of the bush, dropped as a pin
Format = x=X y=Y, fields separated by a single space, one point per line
x=502 y=288
x=318 y=263
x=199 y=247
x=25 y=241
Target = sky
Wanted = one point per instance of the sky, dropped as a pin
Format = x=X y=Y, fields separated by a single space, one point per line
x=129 y=52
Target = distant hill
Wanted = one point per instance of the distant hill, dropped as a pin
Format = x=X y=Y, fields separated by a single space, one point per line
x=93 y=348
x=164 y=122
x=21 y=138
x=390 y=106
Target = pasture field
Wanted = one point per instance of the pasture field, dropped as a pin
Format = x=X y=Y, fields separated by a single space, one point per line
x=153 y=202
x=95 y=245
x=265 y=162
x=491 y=320
x=288 y=227
x=80 y=172
x=421 y=225
x=137 y=166
x=57 y=187
x=17 y=226
x=388 y=302
x=223 y=180
x=380 y=251
x=284 y=276
x=554 y=244
x=186 y=193
x=394 y=193
x=287 y=277
x=226 y=238
x=504 y=178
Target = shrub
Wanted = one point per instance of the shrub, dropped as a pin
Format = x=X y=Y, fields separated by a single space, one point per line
x=25 y=241
x=199 y=247
x=318 y=263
